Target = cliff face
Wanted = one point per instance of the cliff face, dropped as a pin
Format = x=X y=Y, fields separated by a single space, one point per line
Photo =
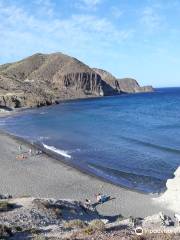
x=44 y=79
x=124 y=85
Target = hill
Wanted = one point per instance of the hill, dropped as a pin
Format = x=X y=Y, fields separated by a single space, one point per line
x=44 y=79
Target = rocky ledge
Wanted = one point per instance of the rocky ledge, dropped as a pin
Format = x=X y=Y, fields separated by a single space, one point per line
x=45 y=218
x=44 y=79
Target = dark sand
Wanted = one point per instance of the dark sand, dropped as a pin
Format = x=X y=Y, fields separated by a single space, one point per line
x=43 y=176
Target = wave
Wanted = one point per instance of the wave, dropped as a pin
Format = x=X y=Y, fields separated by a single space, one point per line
x=147 y=144
x=126 y=173
x=42 y=113
x=43 y=138
x=59 y=151
x=139 y=181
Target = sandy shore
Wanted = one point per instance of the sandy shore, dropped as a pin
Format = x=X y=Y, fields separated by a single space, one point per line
x=42 y=176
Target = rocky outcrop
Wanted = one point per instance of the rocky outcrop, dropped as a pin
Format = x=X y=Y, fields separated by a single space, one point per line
x=130 y=85
x=44 y=79
x=39 y=218
x=124 y=85
x=171 y=197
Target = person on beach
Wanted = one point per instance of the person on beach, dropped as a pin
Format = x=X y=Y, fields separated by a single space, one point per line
x=20 y=148
x=87 y=203
x=102 y=198
x=21 y=157
x=30 y=151
x=38 y=152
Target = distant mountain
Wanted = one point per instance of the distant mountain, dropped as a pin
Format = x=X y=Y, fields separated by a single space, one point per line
x=44 y=79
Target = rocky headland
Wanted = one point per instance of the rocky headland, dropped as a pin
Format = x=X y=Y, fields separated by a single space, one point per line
x=123 y=85
x=44 y=79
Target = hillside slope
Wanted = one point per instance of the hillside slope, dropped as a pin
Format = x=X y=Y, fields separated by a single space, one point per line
x=44 y=79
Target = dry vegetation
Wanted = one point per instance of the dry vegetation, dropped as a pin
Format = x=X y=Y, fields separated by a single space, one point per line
x=6 y=206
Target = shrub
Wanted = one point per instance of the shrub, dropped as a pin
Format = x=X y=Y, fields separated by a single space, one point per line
x=18 y=229
x=89 y=230
x=57 y=212
x=75 y=224
x=94 y=225
x=5 y=231
x=5 y=206
x=97 y=225
x=33 y=231
x=119 y=218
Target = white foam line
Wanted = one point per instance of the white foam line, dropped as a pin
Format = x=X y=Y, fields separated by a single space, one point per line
x=61 y=152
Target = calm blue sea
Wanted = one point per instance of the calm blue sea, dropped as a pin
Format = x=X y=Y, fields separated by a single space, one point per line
x=130 y=140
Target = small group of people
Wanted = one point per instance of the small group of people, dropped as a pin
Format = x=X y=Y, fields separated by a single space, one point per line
x=100 y=199
x=36 y=152
x=23 y=155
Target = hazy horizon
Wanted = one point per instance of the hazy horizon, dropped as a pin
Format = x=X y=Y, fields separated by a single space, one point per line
x=137 y=40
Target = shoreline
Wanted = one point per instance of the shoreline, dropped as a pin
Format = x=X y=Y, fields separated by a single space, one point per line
x=9 y=112
x=44 y=176
x=57 y=157
x=60 y=159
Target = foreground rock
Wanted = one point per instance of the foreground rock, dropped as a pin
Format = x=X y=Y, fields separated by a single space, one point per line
x=171 y=198
x=31 y=218
x=44 y=79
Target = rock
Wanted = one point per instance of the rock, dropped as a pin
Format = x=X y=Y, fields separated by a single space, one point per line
x=157 y=220
x=171 y=197
x=105 y=221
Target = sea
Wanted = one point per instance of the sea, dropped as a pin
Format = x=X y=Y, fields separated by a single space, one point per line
x=131 y=140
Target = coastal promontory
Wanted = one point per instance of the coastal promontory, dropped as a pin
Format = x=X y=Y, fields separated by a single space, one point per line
x=44 y=79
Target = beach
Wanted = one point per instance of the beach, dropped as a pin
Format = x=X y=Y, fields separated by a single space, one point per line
x=43 y=176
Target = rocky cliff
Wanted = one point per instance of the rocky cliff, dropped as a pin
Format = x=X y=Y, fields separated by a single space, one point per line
x=124 y=85
x=44 y=79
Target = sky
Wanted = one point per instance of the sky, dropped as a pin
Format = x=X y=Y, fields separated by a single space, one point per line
x=129 y=38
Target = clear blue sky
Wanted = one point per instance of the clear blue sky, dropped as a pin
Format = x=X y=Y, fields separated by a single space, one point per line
x=129 y=38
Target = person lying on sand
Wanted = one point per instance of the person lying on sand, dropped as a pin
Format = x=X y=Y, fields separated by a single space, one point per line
x=21 y=157
x=102 y=198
